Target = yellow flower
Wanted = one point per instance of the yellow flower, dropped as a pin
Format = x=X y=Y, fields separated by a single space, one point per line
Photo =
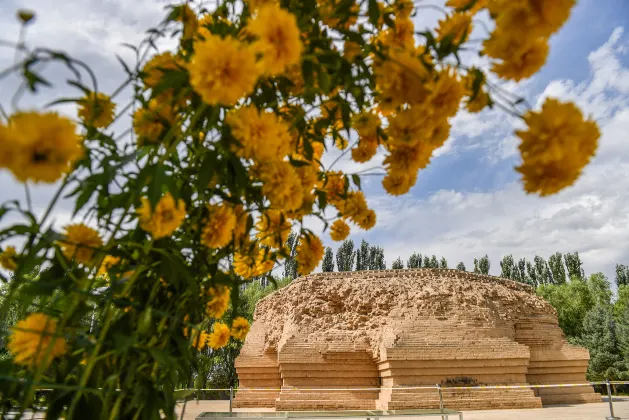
x=401 y=79
x=399 y=183
x=254 y=263
x=7 y=258
x=200 y=340
x=330 y=14
x=278 y=38
x=43 y=146
x=523 y=61
x=219 y=337
x=457 y=27
x=403 y=8
x=240 y=328
x=80 y=243
x=366 y=124
x=309 y=253
x=366 y=149
x=151 y=122
x=164 y=219
x=339 y=230
x=402 y=35
x=219 y=229
x=218 y=302
x=97 y=110
x=273 y=228
x=240 y=230
x=460 y=4
x=478 y=102
x=335 y=186
x=446 y=94
x=530 y=18
x=409 y=126
x=189 y=19
x=8 y=143
x=556 y=147
x=108 y=262
x=157 y=66
x=222 y=70
x=281 y=185
x=439 y=135
x=33 y=341
x=293 y=73
x=351 y=50
x=406 y=159
x=366 y=220
x=262 y=135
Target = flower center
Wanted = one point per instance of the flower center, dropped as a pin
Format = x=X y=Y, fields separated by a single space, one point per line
x=40 y=156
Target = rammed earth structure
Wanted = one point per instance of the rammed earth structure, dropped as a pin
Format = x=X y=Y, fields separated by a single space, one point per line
x=385 y=330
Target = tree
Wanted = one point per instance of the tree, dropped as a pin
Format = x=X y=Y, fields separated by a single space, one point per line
x=621 y=316
x=532 y=274
x=572 y=301
x=345 y=256
x=426 y=261
x=376 y=258
x=507 y=267
x=443 y=263
x=556 y=267
x=414 y=261
x=621 y=306
x=622 y=275
x=328 y=261
x=482 y=265
x=540 y=273
x=601 y=338
x=460 y=266
x=520 y=270
x=397 y=264
x=574 y=266
x=362 y=256
x=290 y=265
x=599 y=288
x=434 y=262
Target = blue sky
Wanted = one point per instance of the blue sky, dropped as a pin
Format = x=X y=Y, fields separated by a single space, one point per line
x=469 y=201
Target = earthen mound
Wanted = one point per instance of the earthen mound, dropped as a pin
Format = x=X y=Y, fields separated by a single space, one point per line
x=377 y=333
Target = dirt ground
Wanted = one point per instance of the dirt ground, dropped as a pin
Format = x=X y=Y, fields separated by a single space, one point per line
x=564 y=412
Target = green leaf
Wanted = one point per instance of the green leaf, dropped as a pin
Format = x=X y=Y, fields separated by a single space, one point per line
x=356 y=180
x=83 y=198
x=156 y=186
x=124 y=65
x=78 y=85
x=34 y=79
x=374 y=12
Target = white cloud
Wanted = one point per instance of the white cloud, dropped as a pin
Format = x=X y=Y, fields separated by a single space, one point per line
x=591 y=217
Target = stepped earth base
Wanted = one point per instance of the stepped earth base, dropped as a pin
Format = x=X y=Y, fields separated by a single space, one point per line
x=370 y=340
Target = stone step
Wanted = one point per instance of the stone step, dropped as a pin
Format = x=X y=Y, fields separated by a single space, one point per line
x=324 y=405
x=571 y=399
x=328 y=396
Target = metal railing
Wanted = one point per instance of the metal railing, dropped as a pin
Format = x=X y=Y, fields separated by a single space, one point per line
x=440 y=388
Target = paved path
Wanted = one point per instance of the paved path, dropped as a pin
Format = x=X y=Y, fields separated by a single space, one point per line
x=597 y=411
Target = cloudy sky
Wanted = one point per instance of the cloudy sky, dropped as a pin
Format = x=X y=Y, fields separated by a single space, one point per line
x=469 y=201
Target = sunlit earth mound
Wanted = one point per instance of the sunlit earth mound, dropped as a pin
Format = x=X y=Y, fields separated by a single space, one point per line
x=395 y=329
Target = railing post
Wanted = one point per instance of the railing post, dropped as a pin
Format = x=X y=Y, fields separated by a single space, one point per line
x=440 y=400
x=611 y=405
x=231 y=399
